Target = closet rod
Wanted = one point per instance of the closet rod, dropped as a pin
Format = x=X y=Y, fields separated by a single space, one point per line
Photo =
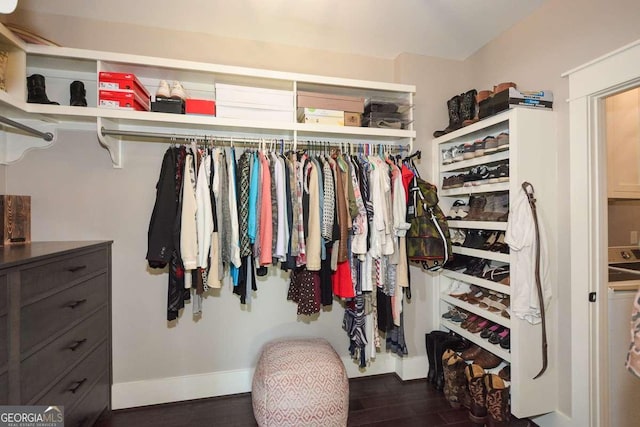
x=238 y=140
x=47 y=136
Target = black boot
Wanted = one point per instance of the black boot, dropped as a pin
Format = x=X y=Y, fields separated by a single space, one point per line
x=453 y=107
x=78 y=94
x=431 y=340
x=36 y=90
x=468 y=108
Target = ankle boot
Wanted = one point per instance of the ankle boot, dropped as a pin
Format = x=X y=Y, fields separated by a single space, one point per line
x=36 y=90
x=468 y=107
x=497 y=401
x=453 y=108
x=432 y=339
x=477 y=391
x=78 y=94
x=455 y=382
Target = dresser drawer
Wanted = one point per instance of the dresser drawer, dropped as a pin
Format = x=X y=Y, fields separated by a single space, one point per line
x=39 y=369
x=3 y=294
x=76 y=383
x=86 y=412
x=4 y=388
x=4 y=341
x=46 y=318
x=60 y=271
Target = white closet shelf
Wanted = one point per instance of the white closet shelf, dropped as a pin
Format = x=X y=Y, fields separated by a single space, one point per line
x=480 y=160
x=476 y=339
x=478 y=225
x=488 y=284
x=491 y=316
x=62 y=65
x=478 y=253
x=476 y=189
x=483 y=127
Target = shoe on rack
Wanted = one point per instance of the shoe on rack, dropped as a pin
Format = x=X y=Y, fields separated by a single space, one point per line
x=447 y=156
x=487 y=360
x=479 y=147
x=471 y=352
x=478 y=393
x=490 y=144
x=503 y=141
x=497 y=401
x=468 y=107
x=489 y=330
x=469 y=151
x=177 y=91
x=37 y=91
x=459 y=209
x=163 y=90
x=476 y=208
x=78 y=94
x=499 y=335
x=503 y=172
x=505 y=373
x=457 y=152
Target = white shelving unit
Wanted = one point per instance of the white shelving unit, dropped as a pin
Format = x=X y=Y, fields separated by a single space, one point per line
x=532 y=134
x=61 y=66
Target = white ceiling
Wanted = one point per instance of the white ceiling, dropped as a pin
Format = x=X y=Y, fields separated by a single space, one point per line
x=451 y=29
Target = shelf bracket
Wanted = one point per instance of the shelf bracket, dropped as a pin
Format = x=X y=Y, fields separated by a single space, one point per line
x=19 y=137
x=111 y=143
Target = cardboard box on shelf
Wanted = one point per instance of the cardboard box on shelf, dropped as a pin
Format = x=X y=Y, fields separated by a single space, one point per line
x=244 y=111
x=352 y=119
x=200 y=106
x=168 y=105
x=330 y=101
x=121 y=99
x=322 y=120
x=16 y=219
x=254 y=97
x=513 y=97
x=122 y=81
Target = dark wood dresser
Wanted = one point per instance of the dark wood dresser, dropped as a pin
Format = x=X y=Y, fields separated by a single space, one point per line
x=55 y=327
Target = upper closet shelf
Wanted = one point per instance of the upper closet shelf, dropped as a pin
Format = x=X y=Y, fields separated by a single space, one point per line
x=63 y=66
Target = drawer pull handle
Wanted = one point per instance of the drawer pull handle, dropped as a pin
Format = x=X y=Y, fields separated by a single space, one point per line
x=75 y=345
x=76 y=385
x=76 y=303
x=76 y=268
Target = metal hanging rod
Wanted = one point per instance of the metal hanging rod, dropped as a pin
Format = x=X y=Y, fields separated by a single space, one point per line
x=47 y=136
x=242 y=141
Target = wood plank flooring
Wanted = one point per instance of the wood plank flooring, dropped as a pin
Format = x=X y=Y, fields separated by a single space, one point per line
x=381 y=400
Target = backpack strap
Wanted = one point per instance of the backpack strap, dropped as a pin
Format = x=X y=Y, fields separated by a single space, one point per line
x=442 y=237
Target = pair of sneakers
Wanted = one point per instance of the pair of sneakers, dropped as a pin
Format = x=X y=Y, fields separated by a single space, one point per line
x=176 y=91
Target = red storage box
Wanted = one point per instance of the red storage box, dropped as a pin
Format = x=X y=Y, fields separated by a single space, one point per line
x=121 y=99
x=122 y=81
x=200 y=106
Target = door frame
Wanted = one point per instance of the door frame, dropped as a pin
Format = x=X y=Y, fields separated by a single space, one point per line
x=589 y=84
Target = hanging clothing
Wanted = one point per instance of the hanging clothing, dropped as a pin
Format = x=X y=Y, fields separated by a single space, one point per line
x=521 y=238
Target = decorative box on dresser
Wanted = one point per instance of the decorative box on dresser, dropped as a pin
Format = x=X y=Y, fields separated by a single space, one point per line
x=55 y=327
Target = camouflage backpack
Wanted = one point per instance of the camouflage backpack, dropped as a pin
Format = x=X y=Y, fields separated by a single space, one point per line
x=428 y=240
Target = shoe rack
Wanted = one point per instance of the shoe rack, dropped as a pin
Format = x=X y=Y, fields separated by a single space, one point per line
x=61 y=66
x=531 y=133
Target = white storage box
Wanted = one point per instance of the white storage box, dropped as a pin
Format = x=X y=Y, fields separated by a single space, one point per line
x=236 y=110
x=258 y=97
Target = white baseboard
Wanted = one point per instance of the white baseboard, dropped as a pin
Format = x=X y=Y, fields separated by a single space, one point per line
x=175 y=389
x=188 y=387
x=554 y=419
x=412 y=368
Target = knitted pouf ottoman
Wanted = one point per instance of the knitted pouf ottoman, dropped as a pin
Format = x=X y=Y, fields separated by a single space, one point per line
x=300 y=382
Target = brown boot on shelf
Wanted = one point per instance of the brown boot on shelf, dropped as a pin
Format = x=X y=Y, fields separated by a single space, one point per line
x=498 y=408
x=455 y=382
x=476 y=208
x=478 y=393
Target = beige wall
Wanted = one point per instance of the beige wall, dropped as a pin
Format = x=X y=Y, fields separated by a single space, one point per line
x=116 y=204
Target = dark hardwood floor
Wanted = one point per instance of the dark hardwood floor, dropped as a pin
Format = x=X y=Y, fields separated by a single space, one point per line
x=382 y=400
